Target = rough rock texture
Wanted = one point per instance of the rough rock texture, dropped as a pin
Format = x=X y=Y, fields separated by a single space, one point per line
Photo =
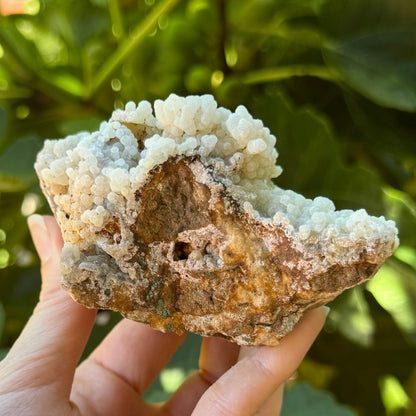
x=185 y=251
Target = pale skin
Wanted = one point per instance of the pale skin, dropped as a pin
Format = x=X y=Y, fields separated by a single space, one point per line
x=41 y=375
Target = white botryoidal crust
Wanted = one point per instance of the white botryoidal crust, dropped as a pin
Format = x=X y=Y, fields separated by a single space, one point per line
x=92 y=174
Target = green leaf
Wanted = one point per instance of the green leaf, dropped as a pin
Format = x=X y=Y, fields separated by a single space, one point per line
x=3 y=353
x=380 y=65
x=2 y=320
x=307 y=143
x=3 y=123
x=383 y=132
x=271 y=13
x=74 y=126
x=349 y=17
x=16 y=164
x=303 y=400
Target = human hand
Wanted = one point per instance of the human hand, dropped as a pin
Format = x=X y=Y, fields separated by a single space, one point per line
x=39 y=376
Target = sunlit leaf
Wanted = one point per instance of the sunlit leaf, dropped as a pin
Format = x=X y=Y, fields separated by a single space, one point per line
x=172 y=378
x=51 y=48
x=14 y=42
x=396 y=293
x=393 y=395
x=402 y=208
x=406 y=255
x=67 y=82
x=352 y=318
x=4 y=258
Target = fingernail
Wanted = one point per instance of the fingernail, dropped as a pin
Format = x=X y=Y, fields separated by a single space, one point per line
x=40 y=236
x=326 y=309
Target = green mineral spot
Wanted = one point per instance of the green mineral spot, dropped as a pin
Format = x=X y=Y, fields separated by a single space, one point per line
x=170 y=328
x=153 y=287
x=142 y=261
x=159 y=306
x=149 y=295
x=165 y=313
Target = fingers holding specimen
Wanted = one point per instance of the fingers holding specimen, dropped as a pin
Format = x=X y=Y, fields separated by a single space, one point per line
x=136 y=353
x=273 y=404
x=217 y=356
x=40 y=236
x=48 y=242
x=99 y=391
x=260 y=371
x=49 y=347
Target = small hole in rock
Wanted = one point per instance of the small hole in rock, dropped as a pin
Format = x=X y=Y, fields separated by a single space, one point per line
x=182 y=250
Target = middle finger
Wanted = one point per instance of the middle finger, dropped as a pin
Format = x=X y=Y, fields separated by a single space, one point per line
x=217 y=356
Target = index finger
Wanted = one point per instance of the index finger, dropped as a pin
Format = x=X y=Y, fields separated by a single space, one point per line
x=135 y=352
x=246 y=386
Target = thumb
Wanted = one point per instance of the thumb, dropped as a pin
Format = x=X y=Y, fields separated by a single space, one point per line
x=52 y=341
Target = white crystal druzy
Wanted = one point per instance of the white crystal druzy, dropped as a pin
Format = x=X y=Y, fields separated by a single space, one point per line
x=91 y=173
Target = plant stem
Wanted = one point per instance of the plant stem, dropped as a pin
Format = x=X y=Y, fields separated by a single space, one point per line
x=119 y=31
x=284 y=72
x=13 y=93
x=307 y=36
x=130 y=43
x=222 y=35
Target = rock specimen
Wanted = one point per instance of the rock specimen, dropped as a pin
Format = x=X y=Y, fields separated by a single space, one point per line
x=172 y=219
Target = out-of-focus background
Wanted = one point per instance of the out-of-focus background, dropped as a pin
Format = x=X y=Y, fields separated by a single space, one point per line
x=334 y=80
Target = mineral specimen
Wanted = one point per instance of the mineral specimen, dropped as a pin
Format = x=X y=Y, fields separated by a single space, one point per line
x=172 y=219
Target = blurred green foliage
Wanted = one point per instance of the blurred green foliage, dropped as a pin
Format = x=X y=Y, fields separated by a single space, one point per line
x=334 y=80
